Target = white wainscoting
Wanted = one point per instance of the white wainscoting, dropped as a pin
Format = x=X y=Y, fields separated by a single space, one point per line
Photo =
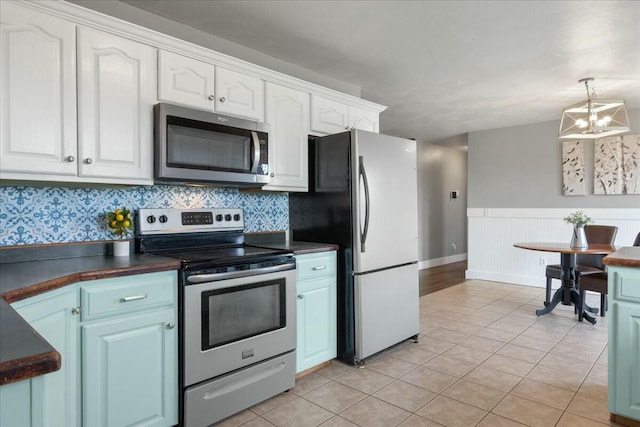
x=493 y=231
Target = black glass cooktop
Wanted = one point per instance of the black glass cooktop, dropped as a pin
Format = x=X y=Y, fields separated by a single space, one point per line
x=213 y=257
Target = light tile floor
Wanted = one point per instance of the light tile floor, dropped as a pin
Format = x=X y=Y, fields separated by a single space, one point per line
x=483 y=358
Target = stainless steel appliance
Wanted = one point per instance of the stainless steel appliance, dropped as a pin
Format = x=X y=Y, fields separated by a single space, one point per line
x=236 y=306
x=193 y=146
x=363 y=196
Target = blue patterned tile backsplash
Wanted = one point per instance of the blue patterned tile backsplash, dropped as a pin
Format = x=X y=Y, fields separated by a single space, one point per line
x=34 y=215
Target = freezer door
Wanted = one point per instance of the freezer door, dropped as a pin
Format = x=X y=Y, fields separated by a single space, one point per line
x=386 y=201
x=386 y=308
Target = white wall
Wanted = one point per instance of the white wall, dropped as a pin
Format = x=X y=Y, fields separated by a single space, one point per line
x=515 y=195
x=442 y=220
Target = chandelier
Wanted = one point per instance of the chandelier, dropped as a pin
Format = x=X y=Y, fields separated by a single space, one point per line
x=593 y=118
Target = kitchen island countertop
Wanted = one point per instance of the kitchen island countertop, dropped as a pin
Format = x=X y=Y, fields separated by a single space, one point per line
x=624 y=257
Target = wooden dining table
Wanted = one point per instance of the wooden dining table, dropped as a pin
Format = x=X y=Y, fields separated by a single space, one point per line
x=567 y=294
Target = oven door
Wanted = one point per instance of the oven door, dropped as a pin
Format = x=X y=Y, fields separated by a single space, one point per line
x=236 y=322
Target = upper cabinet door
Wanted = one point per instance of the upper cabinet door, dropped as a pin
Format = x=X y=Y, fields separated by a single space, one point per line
x=328 y=116
x=37 y=93
x=185 y=81
x=363 y=120
x=238 y=94
x=288 y=116
x=116 y=93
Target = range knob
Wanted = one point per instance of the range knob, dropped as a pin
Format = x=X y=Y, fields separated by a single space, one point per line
x=219 y=217
x=236 y=217
x=151 y=219
x=163 y=219
x=227 y=217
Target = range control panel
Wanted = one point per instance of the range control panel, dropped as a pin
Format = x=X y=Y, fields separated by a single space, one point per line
x=160 y=221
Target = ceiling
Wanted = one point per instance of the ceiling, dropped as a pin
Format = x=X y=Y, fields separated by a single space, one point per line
x=443 y=68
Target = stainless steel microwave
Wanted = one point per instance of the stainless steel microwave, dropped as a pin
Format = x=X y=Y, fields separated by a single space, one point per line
x=199 y=147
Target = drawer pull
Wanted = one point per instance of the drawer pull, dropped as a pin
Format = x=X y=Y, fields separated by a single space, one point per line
x=320 y=267
x=133 y=298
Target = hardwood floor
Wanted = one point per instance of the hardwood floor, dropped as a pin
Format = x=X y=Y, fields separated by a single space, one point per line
x=441 y=277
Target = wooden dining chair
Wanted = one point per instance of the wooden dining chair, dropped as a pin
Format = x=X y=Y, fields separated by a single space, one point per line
x=597 y=282
x=585 y=264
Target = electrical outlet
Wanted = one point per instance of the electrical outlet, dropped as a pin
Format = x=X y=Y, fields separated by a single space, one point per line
x=453 y=247
x=542 y=261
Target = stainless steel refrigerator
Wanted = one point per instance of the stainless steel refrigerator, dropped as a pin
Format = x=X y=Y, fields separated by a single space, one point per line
x=363 y=197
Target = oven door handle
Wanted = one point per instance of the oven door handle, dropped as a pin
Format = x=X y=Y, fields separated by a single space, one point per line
x=202 y=278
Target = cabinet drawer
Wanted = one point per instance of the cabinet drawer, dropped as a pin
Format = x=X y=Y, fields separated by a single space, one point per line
x=120 y=295
x=320 y=264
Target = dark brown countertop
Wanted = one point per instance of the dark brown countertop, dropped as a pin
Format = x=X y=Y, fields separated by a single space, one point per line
x=298 y=248
x=20 y=280
x=23 y=352
x=624 y=257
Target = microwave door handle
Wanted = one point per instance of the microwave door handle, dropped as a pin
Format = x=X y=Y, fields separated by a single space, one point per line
x=256 y=152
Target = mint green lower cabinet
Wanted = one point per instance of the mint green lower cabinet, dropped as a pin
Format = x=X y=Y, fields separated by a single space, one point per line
x=51 y=399
x=130 y=370
x=624 y=342
x=316 y=309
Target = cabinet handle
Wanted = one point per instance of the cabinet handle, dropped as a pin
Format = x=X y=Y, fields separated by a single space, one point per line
x=170 y=325
x=300 y=296
x=320 y=267
x=211 y=97
x=88 y=160
x=222 y=99
x=70 y=159
x=133 y=298
x=75 y=310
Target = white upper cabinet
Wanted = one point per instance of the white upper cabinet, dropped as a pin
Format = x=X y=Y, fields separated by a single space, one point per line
x=77 y=90
x=328 y=116
x=185 y=81
x=287 y=113
x=238 y=94
x=363 y=120
x=116 y=94
x=37 y=93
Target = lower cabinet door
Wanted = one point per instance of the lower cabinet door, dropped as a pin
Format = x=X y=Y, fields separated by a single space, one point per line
x=624 y=365
x=316 y=325
x=130 y=371
x=51 y=399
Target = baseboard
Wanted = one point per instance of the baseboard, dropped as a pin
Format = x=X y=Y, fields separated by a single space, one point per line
x=441 y=261
x=539 y=282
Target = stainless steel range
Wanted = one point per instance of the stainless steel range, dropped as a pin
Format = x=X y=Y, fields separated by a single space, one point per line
x=237 y=310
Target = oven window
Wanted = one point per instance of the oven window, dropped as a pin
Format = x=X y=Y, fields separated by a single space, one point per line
x=236 y=313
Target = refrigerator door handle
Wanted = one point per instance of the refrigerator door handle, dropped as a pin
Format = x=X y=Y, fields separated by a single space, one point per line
x=363 y=233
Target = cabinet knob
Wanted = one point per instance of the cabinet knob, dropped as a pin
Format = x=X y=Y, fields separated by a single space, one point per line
x=272 y=174
x=88 y=160
x=170 y=325
x=300 y=296
x=75 y=310
x=70 y=159
x=211 y=97
x=222 y=99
